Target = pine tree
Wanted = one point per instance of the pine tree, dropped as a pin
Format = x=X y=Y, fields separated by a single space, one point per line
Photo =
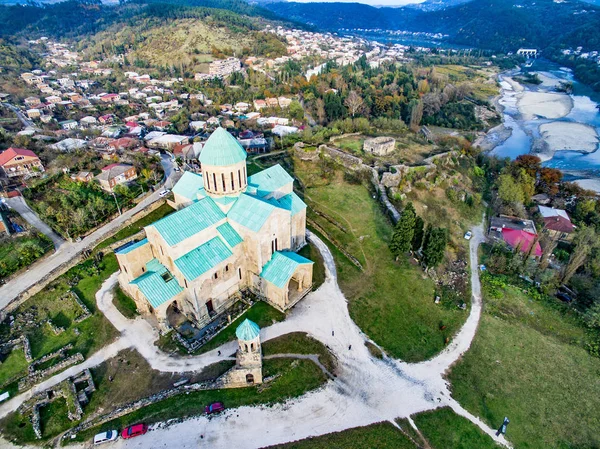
x=419 y=233
x=404 y=231
x=435 y=247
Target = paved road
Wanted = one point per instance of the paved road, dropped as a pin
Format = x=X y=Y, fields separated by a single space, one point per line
x=68 y=250
x=27 y=123
x=18 y=203
x=366 y=390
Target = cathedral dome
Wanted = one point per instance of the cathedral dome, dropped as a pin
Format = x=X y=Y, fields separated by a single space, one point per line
x=247 y=331
x=221 y=150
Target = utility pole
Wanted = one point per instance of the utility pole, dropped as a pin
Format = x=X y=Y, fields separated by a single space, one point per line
x=116 y=202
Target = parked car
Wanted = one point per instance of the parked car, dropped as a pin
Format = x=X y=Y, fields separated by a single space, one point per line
x=564 y=297
x=163 y=193
x=134 y=431
x=104 y=437
x=215 y=407
x=177 y=169
x=468 y=235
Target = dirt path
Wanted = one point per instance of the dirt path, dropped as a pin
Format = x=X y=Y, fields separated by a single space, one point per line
x=366 y=390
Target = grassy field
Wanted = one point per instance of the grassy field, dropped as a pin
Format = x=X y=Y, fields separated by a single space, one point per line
x=125 y=304
x=54 y=304
x=261 y=313
x=297 y=377
x=444 y=429
x=376 y=436
x=310 y=252
x=527 y=363
x=137 y=226
x=391 y=301
x=300 y=343
x=13 y=366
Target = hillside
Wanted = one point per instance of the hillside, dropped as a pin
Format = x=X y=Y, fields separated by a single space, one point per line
x=493 y=24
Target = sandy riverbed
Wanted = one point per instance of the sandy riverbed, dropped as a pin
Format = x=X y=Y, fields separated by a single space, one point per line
x=566 y=136
x=544 y=105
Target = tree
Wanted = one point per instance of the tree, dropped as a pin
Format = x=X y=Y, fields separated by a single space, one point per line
x=416 y=115
x=320 y=111
x=296 y=111
x=585 y=241
x=509 y=190
x=354 y=103
x=404 y=231
x=435 y=247
x=549 y=179
x=531 y=164
x=418 y=234
x=548 y=244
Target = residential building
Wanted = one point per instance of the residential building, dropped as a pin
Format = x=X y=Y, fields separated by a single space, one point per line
x=115 y=174
x=557 y=223
x=20 y=162
x=516 y=233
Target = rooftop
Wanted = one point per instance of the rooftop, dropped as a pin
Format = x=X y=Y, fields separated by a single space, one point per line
x=247 y=331
x=282 y=266
x=157 y=284
x=269 y=180
x=250 y=212
x=189 y=185
x=201 y=259
x=186 y=222
x=222 y=149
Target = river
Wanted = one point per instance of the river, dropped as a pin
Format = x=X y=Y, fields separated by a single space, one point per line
x=562 y=129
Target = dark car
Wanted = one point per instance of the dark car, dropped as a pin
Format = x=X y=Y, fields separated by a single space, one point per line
x=134 y=431
x=564 y=297
x=215 y=407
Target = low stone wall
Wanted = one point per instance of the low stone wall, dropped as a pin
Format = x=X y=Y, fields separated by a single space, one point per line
x=345 y=159
x=37 y=376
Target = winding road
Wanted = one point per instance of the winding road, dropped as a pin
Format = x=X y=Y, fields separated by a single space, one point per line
x=367 y=390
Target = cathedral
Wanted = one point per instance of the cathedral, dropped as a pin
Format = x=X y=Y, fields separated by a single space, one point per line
x=231 y=232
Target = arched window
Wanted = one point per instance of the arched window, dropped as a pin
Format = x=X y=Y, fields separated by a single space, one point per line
x=223 y=179
x=214 y=182
x=240 y=273
x=240 y=178
x=208 y=182
x=245 y=176
x=249 y=378
x=232 y=182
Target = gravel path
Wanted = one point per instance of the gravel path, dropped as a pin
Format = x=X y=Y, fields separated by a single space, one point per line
x=365 y=391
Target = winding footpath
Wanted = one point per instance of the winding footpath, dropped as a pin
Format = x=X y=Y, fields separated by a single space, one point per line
x=366 y=390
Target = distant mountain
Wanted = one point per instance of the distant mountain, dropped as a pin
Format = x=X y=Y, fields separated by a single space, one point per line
x=503 y=25
x=435 y=5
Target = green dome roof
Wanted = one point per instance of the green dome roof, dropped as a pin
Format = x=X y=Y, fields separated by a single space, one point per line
x=222 y=149
x=247 y=331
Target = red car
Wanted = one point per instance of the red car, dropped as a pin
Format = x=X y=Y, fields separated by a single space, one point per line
x=215 y=407
x=134 y=431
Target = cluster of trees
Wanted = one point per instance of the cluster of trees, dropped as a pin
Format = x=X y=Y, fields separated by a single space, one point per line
x=23 y=252
x=410 y=234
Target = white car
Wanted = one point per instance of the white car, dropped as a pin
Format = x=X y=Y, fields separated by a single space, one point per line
x=104 y=437
x=468 y=235
x=163 y=193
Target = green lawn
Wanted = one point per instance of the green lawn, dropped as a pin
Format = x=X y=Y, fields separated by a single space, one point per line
x=297 y=377
x=137 y=226
x=52 y=303
x=376 y=436
x=300 y=343
x=261 y=313
x=125 y=304
x=311 y=252
x=444 y=429
x=527 y=363
x=392 y=302
x=15 y=365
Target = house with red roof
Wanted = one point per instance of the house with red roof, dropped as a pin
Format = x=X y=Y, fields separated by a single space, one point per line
x=516 y=232
x=20 y=162
x=557 y=223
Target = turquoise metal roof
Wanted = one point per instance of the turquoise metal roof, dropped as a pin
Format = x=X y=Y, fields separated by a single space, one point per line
x=185 y=223
x=189 y=185
x=247 y=331
x=131 y=247
x=282 y=266
x=269 y=180
x=222 y=149
x=250 y=212
x=291 y=202
x=201 y=259
x=225 y=200
x=153 y=285
x=229 y=234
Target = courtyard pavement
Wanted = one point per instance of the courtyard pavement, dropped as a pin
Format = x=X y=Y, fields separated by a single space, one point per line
x=367 y=390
